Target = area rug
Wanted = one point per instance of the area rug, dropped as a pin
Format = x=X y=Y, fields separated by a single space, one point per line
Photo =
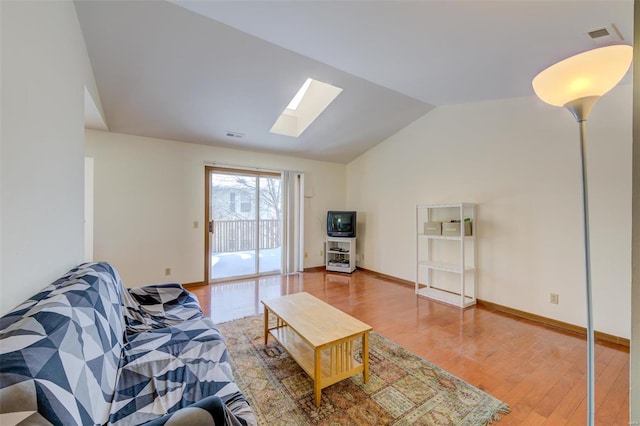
x=403 y=388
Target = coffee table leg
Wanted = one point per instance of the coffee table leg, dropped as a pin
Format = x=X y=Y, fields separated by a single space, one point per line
x=317 y=379
x=365 y=356
x=266 y=325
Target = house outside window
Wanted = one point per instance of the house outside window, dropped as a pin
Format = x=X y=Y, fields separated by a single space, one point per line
x=245 y=203
x=232 y=201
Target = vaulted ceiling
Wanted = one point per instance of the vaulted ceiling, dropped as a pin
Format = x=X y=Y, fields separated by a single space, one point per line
x=195 y=71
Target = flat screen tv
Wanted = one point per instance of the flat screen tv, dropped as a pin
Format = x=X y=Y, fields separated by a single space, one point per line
x=341 y=224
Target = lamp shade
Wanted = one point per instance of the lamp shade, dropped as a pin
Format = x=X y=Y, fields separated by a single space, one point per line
x=591 y=73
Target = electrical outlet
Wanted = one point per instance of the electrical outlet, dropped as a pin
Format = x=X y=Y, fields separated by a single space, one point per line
x=554 y=298
x=195 y=224
x=306 y=255
x=167 y=271
x=321 y=252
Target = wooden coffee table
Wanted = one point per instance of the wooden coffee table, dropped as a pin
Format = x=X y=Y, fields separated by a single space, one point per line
x=319 y=337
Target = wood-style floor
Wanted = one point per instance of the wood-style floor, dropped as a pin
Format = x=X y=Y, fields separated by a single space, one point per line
x=538 y=370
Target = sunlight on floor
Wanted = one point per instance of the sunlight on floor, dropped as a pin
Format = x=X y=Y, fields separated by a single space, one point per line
x=240 y=299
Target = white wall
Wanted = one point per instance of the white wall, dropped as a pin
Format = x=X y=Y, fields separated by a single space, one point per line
x=44 y=71
x=148 y=192
x=518 y=159
x=88 y=209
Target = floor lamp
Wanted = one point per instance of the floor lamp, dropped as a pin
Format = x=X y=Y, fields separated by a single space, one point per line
x=576 y=83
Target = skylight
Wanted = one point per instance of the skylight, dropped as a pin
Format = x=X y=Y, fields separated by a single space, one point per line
x=313 y=97
x=293 y=105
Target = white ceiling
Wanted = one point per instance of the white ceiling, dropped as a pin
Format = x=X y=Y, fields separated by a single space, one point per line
x=193 y=70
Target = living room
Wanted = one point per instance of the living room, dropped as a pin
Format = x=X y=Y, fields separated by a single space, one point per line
x=517 y=158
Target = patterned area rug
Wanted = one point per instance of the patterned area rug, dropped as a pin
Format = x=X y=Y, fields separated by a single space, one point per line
x=403 y=388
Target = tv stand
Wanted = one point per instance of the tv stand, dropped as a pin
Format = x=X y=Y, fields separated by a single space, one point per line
x=341 y=254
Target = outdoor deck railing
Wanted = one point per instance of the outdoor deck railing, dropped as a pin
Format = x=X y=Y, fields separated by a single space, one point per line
x=240 y=235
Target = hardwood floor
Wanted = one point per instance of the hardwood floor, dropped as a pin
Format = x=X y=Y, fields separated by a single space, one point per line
x=538 y=370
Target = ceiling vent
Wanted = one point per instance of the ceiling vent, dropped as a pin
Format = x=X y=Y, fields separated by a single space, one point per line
x=606 y=36
x=236 y=135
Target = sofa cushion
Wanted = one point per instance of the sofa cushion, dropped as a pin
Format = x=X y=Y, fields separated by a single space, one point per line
x=166 y=369
x=61 y=348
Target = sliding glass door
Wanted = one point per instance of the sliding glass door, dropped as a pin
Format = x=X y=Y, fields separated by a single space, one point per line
x=245 y=223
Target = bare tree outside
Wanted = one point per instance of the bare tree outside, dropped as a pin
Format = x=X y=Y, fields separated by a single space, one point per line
x=270 y=196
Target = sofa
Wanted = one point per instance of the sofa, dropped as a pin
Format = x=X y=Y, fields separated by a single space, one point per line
x=86 y=350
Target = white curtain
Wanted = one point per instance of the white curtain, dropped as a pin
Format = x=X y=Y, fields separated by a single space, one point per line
x=292 y=222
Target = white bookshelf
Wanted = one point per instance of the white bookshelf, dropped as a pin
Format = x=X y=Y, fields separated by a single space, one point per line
x=445 y=264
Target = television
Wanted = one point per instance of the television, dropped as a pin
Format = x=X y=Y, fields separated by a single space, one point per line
x=341 y=224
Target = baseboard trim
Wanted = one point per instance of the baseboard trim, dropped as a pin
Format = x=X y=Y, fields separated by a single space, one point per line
x=387 y=277
x=195 y=284
x=314 y=269
x=600 y=336
x=554 y=323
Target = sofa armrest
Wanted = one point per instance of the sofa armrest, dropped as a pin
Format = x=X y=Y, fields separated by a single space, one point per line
x=210 y=411
x=163 y=299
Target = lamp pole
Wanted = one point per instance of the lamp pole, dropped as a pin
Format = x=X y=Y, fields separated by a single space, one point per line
x=581 y=108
